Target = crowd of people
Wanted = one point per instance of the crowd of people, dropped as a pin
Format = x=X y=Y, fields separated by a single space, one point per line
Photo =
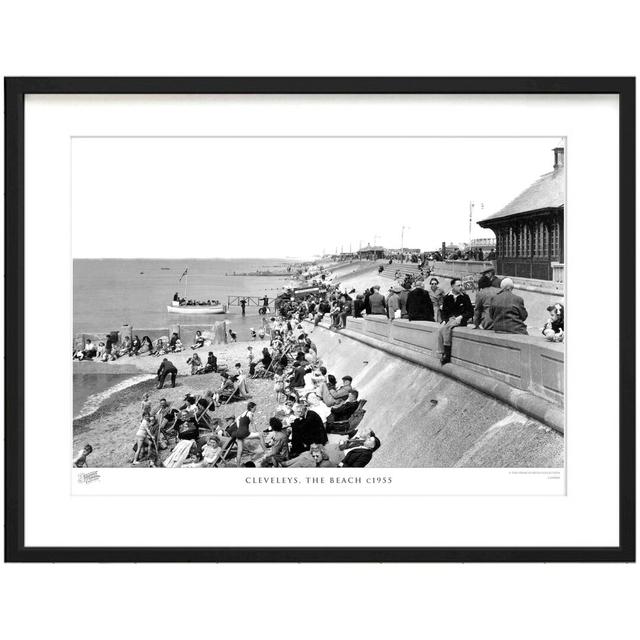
x=110 y=349
x=312 y=406
x=496 y=308
x=183 y=302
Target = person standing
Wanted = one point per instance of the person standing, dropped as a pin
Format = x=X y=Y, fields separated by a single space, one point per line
x=436 y=294
x=377 y=303
x=457 y=310
x=402 y=298
x=167 y=368
x=243 y=304
x=393 y=302
x=419 y=306
x=507 y=311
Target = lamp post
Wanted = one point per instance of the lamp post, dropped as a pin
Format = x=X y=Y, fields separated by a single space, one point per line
x=402 y=243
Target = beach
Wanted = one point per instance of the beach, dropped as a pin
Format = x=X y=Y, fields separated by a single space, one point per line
x=111 y=428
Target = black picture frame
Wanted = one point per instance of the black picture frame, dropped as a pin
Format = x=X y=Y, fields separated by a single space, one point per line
x=15 y=91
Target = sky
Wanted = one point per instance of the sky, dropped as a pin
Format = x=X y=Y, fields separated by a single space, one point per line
x=290 y=197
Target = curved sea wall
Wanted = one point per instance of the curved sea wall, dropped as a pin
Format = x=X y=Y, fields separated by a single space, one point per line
x=431 y=416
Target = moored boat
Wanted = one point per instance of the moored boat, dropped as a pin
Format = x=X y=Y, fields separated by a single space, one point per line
x=196 y=309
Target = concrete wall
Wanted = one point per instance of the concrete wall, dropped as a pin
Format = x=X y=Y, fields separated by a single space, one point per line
x=426 y=419
x=459 y=268
x=527 y=363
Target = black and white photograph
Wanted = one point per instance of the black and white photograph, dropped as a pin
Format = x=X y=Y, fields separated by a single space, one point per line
x=318 y=302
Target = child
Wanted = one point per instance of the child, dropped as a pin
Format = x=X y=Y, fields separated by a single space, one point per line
x=251 y=359
x=278 y=386
x=553 y=329
x=261 y=333
x=81 y=459
x=233 y=335
x=253 y=333
x=146 y=404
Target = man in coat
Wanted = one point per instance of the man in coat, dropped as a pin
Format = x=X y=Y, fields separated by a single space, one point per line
x=507 y=311
x=166 y=368
x=404 y=294
x=419 y=306
x=306 y=429
x=484 y=297
x=377 y=303
x=457 y=310
x=361 y=455
x=393 y=301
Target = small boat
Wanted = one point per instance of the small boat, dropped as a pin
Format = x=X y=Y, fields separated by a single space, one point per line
x=196 y=309
x=165 y=268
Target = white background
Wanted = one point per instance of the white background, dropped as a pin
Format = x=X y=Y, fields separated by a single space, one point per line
x=364 y=38
x=53 y=517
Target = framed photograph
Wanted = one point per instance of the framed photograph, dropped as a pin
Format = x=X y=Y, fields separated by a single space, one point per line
x=320 y=319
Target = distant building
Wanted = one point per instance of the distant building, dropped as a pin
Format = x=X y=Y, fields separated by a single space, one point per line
x=371 y=253
x=486 y=244
x=530 y=229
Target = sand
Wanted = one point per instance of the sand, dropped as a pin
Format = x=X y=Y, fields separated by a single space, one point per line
x=111 y=429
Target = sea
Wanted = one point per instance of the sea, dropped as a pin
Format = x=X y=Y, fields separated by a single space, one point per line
x=110 y=293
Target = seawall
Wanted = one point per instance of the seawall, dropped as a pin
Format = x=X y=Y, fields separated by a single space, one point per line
x=427 y=419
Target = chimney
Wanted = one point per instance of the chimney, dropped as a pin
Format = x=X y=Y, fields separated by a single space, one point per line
x=558 y=157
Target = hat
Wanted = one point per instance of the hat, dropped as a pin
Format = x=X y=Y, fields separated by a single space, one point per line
x=349 y=378
x=395 y=288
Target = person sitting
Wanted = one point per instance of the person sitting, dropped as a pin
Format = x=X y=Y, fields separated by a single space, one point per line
x=334 y=397
x=136 y=345
x=227 y=389
x=89 y=352
x=212 y=451
x=196 y=364
x=507 y=311
x=81 y=459
x=161 y=348
x=198 y=340
x=345 y=410
x=211 y=365
x=377 y=302
x=241 y=381
x=436 y=294
x=306 y=429
x=205 y=404
x=484 y=297
x=316 y=405
x=553 y=329
x=317 y=456
x=419 y=305
x=146 y=345
x=457 y=310
x=277 y=449
x=360 y=455
x=173 y=342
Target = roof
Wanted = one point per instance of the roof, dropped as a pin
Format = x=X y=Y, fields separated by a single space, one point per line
x=371 y=249
x=548 y=191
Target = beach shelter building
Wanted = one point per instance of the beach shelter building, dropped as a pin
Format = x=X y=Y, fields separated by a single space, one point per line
x=529 y=230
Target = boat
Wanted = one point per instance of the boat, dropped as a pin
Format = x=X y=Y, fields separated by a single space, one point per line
x=196 y=309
